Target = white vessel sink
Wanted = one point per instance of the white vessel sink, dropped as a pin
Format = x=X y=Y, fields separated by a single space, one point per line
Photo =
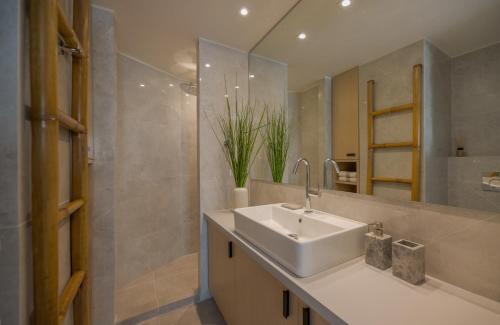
x=304 y=243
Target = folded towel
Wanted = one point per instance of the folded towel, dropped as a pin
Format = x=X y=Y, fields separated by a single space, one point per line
x=352 y=174
x=343 y=173
x=343 y=179
x=352 y=179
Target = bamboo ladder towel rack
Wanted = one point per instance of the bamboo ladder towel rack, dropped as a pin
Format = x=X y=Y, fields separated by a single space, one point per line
x=415 y=107
x=47 y=20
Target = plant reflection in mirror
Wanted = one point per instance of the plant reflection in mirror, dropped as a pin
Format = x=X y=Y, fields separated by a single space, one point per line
x=277 y=143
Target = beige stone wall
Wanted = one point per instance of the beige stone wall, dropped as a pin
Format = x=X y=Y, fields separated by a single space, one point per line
x=475 y=124
x=102 y=205
x=461 y=244
x=436 y=120
x=475 y=97
x=310 y=126
x=13 y=215
x=215 y=180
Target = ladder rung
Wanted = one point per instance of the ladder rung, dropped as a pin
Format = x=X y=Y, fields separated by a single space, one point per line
x=67 y=33
x=67 y=209
x=391 y=180
x=70 y=123
x=391 y=145
x=394 y=109
x=69 y=292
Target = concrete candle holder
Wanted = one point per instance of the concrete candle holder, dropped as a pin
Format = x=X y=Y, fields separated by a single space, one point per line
x=408 y=261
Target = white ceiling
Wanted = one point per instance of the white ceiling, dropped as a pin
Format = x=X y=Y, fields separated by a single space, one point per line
x=163 y=33
x=341 y=38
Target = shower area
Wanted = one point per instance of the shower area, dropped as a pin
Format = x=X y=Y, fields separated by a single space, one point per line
x=157 y=210
x=145 y=162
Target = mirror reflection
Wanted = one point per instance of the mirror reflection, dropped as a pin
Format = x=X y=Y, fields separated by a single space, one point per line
x=408 y=113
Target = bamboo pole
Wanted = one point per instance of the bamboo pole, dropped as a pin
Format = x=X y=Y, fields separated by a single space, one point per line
x=417 y=104
x=70 y=123
x=370 y=105
x=69 y=293
x=395 y=109
x=79 y=189
x=44 y=160
x=391 y=145
x=67 y=33
x=68 y=209
x=392 y=180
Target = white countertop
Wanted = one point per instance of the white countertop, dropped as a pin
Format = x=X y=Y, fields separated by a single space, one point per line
x=356 y=293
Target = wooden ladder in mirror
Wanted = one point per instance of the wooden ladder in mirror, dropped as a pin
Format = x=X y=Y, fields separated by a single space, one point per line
x=48 y=23
x=415 y=107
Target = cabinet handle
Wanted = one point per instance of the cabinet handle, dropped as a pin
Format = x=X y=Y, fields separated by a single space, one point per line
x=230 y=249
x=306 y=316
x=351 y=154
x=286 y=303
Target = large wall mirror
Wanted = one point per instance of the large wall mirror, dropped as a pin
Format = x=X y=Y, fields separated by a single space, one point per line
x=404 y=95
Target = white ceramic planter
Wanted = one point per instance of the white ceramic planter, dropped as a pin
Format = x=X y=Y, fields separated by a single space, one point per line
x=240 y=197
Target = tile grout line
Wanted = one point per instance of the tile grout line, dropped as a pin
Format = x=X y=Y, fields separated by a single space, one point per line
x=159 y=311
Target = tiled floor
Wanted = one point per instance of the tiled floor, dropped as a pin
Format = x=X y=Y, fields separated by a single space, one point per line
x=203 y=313
x=171 y=283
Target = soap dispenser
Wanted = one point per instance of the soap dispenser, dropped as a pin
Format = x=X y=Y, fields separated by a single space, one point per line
x=378 y=247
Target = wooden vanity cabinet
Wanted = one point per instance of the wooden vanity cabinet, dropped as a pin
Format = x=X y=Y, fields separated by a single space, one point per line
x=308 y=316
x=345 y=115
x=221 y=272
x=260 y=297
x=245 y=293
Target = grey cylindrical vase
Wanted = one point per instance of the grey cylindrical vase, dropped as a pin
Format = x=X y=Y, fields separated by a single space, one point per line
x=408 y=261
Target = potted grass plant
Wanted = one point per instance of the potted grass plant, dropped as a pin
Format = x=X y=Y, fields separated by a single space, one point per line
x=277 y=143
x=240 y=125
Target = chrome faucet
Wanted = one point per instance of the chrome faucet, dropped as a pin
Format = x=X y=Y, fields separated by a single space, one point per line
x=309 y=192
x=329 y=161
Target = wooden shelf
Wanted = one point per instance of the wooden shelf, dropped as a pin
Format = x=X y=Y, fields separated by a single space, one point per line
x=346 y=183
x=391 y=180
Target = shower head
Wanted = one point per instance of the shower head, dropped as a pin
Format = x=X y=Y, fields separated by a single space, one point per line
x=189 y=88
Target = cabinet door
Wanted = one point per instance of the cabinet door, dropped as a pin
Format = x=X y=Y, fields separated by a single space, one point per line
x=345 y=115
x=260 y=297
x=221 y=273
x=307 y=316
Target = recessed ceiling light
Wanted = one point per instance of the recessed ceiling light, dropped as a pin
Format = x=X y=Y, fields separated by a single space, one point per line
x=243 y=11
x=251 y=76
x=170 y=85
x=226 y=95
x=302 y=36
x=237 y=87
x=207 y=65
x=187 y=95
x=142 y=85
x=345 y=3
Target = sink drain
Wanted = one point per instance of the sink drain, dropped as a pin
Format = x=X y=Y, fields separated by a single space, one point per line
x=294 y=236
